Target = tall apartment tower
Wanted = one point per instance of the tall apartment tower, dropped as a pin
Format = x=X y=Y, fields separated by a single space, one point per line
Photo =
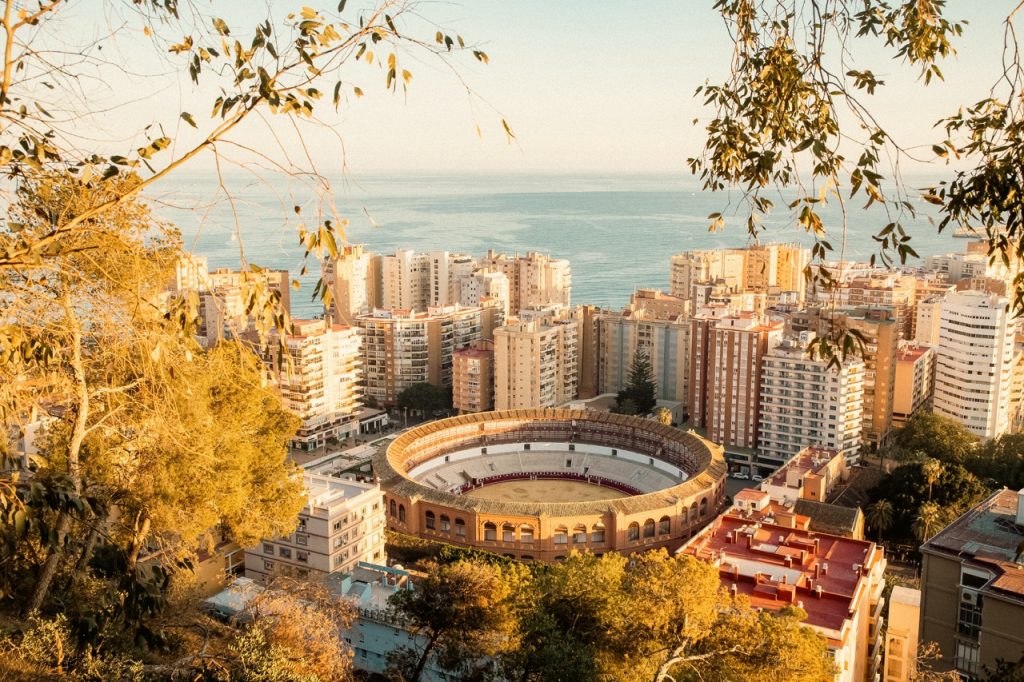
x=354 y=280
x=319 y=381
x=473 y=377
x=771 y=269
x=914 y=383
x=535 y=280
x=405 y=280
x=536 y=363
x=651 y=325
x=804 y=402
x=974 y=362
x=738 y=346
x=406 y=347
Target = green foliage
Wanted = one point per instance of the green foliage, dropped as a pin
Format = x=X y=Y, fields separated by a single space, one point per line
x=939 y=437
x=425 y=398
x=640 y=396
x=1000 y=461
x=907 y=490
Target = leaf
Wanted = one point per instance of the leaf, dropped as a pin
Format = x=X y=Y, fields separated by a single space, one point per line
x=341 y=6
x=187 y=117
x=406 y=75
x=357 y=90
x=508 y=131
x=221 y=26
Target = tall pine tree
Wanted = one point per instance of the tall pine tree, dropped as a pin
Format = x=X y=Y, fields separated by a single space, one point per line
x=640 y=396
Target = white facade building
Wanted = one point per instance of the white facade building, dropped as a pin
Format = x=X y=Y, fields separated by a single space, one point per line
x=805 y=402
x=341 y=525
x=974 y=362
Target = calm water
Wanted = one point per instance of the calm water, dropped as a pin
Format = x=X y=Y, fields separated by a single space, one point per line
x=618 y=231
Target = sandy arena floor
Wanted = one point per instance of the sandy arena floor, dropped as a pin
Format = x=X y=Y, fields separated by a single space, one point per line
x=544 y=491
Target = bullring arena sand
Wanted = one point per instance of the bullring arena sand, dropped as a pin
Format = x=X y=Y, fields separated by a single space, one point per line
x=545 y=491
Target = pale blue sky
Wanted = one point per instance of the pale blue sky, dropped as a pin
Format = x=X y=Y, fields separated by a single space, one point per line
x=586 y=85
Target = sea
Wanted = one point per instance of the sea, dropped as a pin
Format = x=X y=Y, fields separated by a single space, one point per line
x=618 y=231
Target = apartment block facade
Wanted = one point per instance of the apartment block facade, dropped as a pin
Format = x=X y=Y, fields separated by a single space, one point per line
x=535 y=280
x=354 y=280
x=805 y=402
x=341 y=525
x=473 y=378
x=319 y=379
x=914 y=382
x=536 y=363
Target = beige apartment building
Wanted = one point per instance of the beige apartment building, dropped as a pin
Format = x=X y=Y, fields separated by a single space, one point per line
x=536 y=363
x=902 y=634
x=770 y=269
x=974 y=362
x=972 y=586
x=655 y=324
x=354 y=280
x=535 y=280
x=804 y=402
x=915 y=375
x=473 y=378
x=736 y=350
x=406 y=347
x=318 y=380
x=341 y=525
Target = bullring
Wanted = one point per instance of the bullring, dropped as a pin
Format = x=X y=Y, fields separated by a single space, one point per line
x=535 y=484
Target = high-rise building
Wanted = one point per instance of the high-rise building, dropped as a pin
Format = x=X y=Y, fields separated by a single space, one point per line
x=974 y=362
x=341 y=525
x=536 y=363
x=927 y=316
x=403 y=347
x=770 y=269
x=354 y=280
x=473 y=377
x=319 y=379
x=649 y=325
x=915 y=376
x=535 y=280
x=805 y=402
x=481 y=285
x=737 y=347
x=405 y=280
x=972 y=589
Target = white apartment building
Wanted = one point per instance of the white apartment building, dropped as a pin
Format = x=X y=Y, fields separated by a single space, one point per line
x=341 y=525
x=666 y=342
x=805 y=402
x=535 y=280
x=926 y=328
x=353 y=278
x=974 y=362
x=405 y=280
x=319 y=380
x=957 y=266
x=770 y=269
x=536 y=363
x=483 y=285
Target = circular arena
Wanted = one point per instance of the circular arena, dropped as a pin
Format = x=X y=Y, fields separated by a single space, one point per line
x=535 y=484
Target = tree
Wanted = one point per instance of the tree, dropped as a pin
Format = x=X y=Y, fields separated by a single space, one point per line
x=425 y=398
x=931 y=469
x=640 y=396
x=663 y=415
x=463 y=615
x=1000 y=460
x=928 y=521
x=880 y=516
x=938 y=437
x=794 y=113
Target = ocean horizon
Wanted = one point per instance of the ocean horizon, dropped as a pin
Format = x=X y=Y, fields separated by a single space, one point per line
x=618 y=230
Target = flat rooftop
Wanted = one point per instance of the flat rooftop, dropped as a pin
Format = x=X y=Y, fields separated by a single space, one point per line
x=775 y=566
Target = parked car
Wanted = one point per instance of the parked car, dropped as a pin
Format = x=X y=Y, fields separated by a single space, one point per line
x=758 y=477
x=741 y=476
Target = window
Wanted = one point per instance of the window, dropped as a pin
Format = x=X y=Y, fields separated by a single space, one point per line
x=526 y=533
x=431 y=521
x=704 y=507
x=967 y=657
x=508 y=533
x=337 y=525
x=401 y=513
x=490 y=531
x=460 y=528
x=268 y=565
x=664 y=526
x=338 y=560
x=561 y=535
x=693 y=512
x=301 y=539
x=268 y=548
x=393 y=508
x=633 y=532
x=284 y=552
x=969 y=621
x=597 y=533
x=302 y=526
x=579 y=535
x=446 y=524
x=302 y=556
x=649 y=528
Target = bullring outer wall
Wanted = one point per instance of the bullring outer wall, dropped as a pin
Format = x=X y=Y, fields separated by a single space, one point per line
x=622 y=525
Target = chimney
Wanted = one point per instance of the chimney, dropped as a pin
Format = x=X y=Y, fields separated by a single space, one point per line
x=817 y=570
x=1020 y=507
x=824 y=568
x=817 y=591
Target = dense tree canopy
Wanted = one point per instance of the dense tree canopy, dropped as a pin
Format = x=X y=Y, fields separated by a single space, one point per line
x=935 y=436
x=640 y=396
x=425 y=398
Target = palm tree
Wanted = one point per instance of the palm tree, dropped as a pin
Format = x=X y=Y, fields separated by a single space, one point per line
x=932 y=470
x=928 y=520
x=880 y=516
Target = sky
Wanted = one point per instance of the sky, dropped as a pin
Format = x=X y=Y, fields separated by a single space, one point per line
x=586 y=85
